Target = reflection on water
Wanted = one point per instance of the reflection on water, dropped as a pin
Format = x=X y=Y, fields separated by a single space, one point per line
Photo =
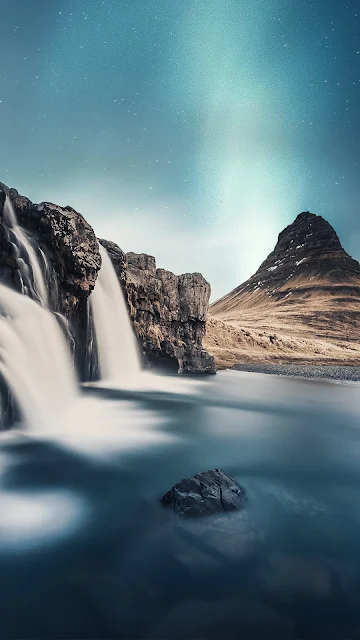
x=87 y=551
x=29 y=519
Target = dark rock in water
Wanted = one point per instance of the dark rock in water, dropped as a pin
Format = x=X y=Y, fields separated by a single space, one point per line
x=8 y=408
x=205 y=493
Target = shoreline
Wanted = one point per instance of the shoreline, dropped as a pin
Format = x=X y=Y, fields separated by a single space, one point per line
x=332 y=373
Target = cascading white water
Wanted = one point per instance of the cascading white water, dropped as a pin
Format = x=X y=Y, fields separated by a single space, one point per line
x=36 y=279
x=34 y=360
x=119 y=358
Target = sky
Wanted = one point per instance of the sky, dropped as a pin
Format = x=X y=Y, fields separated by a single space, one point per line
x=192 y=130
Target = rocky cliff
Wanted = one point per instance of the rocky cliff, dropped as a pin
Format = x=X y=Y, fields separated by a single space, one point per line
x=301 y=305
x=168 y=311
x=72 y=255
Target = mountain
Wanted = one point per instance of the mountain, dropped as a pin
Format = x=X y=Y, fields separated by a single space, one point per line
x=302 y=304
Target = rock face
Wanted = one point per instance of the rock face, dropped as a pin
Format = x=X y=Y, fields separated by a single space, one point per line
x=168 y=311
x=301 y=304
x=204 y=494
x=71 y=247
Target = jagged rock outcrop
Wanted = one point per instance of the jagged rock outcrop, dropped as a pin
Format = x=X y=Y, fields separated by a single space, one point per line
x=204 y=494
x=301 y=305
x=168 y=312
x=72 y=247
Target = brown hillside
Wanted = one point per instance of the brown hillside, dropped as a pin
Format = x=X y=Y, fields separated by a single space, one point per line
x=302 y=304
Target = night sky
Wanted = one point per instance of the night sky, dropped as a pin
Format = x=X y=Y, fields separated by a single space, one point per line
x=193 y=130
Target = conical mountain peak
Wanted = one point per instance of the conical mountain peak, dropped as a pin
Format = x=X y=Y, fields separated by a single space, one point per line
x=307 y=255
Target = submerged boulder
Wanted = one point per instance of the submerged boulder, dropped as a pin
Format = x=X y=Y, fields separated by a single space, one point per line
x=205 y=493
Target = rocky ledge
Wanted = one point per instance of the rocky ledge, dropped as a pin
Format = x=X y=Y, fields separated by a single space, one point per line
x=168 y=312
x=204 y=494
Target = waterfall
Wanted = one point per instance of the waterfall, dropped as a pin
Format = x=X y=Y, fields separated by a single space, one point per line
x=118 y=354
x=34 y=360
x=30 y=270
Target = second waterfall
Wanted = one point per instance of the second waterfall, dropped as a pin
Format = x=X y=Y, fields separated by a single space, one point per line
x=119 y=357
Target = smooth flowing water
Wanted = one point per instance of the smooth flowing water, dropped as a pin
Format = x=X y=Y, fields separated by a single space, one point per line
x=119 y=358
x=30 y=268
x=87 y=550
x=35 y=361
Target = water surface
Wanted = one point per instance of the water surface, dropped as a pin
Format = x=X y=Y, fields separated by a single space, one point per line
x=87 y=551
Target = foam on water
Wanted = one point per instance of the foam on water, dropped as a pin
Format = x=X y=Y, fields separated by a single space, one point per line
x=104 y=429
x=149 y=381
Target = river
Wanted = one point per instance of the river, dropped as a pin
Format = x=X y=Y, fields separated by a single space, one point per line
x=88 y=551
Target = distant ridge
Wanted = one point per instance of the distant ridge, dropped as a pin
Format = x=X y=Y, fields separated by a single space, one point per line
x=308 y=288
